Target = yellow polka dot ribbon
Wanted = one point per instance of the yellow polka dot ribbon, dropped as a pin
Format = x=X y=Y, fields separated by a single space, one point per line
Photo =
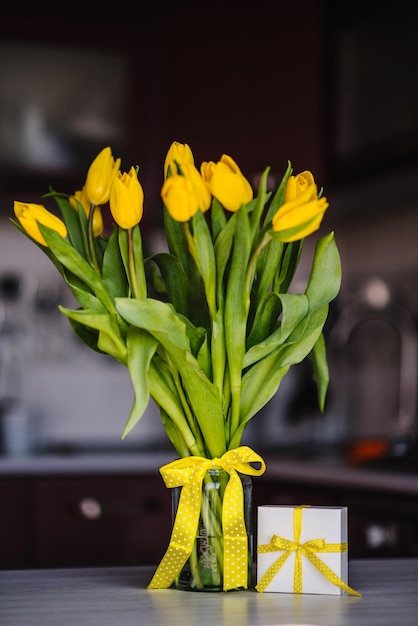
x=308 y=549
x=189 y=473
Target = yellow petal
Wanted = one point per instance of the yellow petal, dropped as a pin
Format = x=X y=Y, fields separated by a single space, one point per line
x=31 y=215
x=100 y=176
x=180 y=153
x=180 y=198
x=126 y=199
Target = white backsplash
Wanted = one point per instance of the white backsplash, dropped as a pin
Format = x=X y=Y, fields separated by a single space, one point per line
x=70 y=396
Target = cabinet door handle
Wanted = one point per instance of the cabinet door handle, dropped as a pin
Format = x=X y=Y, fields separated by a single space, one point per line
x=90 y=508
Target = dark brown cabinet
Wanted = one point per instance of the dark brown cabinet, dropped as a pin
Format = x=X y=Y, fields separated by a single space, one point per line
x=77 y=520
x=66 y=521
x=13 y=536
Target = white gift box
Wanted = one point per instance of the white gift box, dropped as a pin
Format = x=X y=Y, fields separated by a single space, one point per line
x=322 y=544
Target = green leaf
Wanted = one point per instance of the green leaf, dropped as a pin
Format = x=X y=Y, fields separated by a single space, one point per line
x=141 y=348
x=156 y=317
x=318 y=358
x=237 y=302
x=303 y=338
x=174 y=435
x=204 y=360
x=259 y=385
x=294 y=311
x=175 y=279
x=76 y=223
x=267 y=268
x=223 y=248
x=205 y=258
x=164 y=393
x=162 y=322
x=176 y=241
x=113 y=269
x=236 y=299
x=325 y=277
x=72 y=260
x=288 y=267
x=110 y=339
x=265 y=319
x=218 y=218
x=41 y=247
x=87 y=335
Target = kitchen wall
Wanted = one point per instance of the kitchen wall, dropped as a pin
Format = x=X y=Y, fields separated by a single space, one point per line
x=68 y=396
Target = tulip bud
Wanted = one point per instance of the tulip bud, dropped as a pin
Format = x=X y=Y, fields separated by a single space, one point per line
x=177 y=153
x=31 y=215
x=227 y=183
x=100 y=176
x=81 y=197
x=180 y=197
x=126 y=199
x=302 y=211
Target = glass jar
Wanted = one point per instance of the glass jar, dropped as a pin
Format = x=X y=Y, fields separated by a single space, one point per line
x=204 y=570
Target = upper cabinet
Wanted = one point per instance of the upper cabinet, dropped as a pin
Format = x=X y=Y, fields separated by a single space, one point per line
x=371 y=132
x=329 y=86
x=240 y=79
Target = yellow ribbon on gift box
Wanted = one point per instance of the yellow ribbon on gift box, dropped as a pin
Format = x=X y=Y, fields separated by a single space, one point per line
x=308 y=549
x=188 y=473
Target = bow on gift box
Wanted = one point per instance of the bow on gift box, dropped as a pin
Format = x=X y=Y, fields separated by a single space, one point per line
x=308 y=549
x=189 y=473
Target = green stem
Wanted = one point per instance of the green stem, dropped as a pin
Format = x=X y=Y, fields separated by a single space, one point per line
x=249 y=277
x=131 y=261
x=190 y=241
x=92 y=247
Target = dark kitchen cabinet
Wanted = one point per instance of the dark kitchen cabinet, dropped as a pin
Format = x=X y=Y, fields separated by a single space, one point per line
x=101 y=521
x=65 y=521
x=70 y=520
x=13 y=536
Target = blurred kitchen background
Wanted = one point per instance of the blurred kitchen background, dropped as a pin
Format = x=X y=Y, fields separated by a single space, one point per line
x=331 y=86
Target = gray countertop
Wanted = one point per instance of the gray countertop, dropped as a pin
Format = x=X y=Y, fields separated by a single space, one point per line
x=119 y=597
x=321 y=472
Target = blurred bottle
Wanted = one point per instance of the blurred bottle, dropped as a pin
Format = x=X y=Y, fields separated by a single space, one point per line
x=16 y=428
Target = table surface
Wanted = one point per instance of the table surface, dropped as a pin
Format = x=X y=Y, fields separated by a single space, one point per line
x=118 y=596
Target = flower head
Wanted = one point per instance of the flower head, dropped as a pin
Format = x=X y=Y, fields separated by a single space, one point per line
x=302 y=211
x=31 y=215
x=126 y=199
x=180 y=197
x=178 y=153
x=200 y=188
x=226 y=183
x=81 y=197
x=100 y=176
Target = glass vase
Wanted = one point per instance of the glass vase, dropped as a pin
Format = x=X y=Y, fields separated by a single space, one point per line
x=204 y=569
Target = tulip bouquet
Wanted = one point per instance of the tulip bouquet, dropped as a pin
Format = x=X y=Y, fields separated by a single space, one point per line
x=208 y=328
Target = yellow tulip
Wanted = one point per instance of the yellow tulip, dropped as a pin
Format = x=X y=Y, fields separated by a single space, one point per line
x=302 y=211
x=180 y=197
x=226 y=183
x=31 y=215
x=81 y=197
x=126 y=199
x=100 y=177
x=180 y=153
x=201 y=189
